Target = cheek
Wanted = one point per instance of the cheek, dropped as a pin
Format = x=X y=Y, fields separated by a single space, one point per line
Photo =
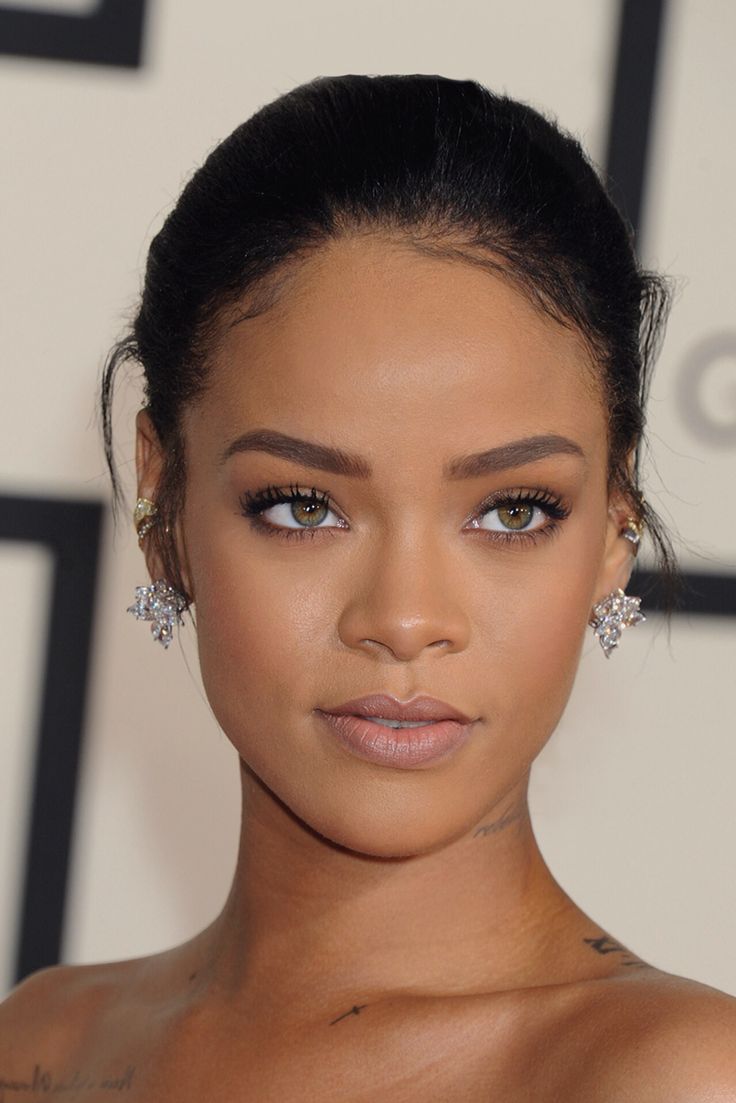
x=535 y=626
x=268 y=628
x=258 y=633
x=546 y=642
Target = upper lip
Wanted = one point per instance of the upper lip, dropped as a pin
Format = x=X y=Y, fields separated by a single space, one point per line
x=390 y=708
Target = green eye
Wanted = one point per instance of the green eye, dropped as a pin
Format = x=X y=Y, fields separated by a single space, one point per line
x=296 y=512
x=308 y=512
x=516 y=517
x=522 y=516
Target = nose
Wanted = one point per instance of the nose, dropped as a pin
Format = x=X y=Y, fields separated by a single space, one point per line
x=406 y=599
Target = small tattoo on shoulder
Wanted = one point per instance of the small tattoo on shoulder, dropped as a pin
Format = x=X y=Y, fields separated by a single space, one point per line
x=355 y=1010
x=605 y=945
x=43 y=1081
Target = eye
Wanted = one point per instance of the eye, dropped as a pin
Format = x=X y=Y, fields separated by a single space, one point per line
x=515 y=517
x=294 y=512
x=522 y=514
x=297 y=513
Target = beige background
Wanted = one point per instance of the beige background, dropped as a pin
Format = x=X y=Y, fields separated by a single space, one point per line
x=633 y=798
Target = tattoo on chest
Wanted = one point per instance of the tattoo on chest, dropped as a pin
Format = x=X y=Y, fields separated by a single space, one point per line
x=605 y=945
x=355 y=1010
x=43 y=1082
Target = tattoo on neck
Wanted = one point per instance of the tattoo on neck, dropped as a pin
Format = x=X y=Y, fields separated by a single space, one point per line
x=355 y=1010
x=511 y=815
x=605 y=945
x=45 y=1082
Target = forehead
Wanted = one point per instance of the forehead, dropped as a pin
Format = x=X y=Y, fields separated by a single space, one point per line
x=369 y=336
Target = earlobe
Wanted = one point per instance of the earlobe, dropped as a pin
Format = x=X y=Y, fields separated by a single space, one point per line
x=613 y=609
x=623 y=536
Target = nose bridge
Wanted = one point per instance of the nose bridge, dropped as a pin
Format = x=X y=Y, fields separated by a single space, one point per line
x=409 y=594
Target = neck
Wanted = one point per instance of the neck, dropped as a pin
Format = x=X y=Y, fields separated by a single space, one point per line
x=306 y=915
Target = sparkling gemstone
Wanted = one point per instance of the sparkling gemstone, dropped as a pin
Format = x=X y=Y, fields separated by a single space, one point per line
x=162 y=605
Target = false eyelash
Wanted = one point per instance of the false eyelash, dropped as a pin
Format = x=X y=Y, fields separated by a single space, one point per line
x=274 y=495
x=548 y=502
x=252 y=505
x=545 y=499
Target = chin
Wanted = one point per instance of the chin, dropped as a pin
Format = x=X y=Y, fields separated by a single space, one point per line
x=377 y=832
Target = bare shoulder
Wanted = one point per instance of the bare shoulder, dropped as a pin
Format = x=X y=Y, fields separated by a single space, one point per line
x=667 y=1038
x=53 y=1007
x=74 y=1027
x=56 y=1004
x=67 y=1029
x=694 y=1032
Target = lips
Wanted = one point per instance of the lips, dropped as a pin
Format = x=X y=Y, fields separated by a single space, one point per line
x=390 y=708
x=443 y=730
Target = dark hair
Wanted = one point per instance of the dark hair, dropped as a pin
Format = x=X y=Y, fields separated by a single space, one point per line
x=456 y=169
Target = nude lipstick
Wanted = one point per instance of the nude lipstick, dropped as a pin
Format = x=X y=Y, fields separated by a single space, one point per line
x=435 y=729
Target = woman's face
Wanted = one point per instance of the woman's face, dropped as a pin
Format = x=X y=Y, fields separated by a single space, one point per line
x=405 y=581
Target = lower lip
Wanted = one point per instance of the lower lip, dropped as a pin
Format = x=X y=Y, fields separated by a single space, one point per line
x=404 y=748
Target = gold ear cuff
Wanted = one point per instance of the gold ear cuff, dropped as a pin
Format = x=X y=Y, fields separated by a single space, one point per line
x=144 y=517
x=632 y=531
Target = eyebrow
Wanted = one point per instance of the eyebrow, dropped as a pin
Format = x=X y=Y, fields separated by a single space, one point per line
x=338 y=462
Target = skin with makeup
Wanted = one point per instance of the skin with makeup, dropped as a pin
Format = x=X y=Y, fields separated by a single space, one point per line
x=397 y=475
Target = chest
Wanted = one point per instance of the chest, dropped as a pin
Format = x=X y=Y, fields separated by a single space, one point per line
x=428 y=1057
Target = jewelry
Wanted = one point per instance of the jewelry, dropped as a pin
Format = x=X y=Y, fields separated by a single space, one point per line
x=162 y=605
x=611 y=615
x=632 y=531
x=144 y=517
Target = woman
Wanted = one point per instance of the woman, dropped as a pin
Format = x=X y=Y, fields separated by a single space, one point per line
x=396 y=346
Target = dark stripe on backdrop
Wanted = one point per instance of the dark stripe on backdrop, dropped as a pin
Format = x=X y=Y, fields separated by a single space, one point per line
x=110 y=34
x=71 y=530
x=641 y=26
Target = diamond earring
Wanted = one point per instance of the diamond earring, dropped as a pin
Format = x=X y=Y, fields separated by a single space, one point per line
x=632 y=532
x=162 y=605
x=611 y=615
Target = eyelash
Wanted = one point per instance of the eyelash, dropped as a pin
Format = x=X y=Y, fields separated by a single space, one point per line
x=252 y=505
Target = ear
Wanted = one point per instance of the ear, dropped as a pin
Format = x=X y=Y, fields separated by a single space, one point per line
x=149 y=462
x=619 y=555
x=164 y=548
x=149 y=456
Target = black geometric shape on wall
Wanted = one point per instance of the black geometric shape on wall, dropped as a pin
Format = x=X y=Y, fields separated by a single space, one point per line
x=703 y=594
x=111 y=34
x=639 y=50
x=71 y=530
x=640 y=34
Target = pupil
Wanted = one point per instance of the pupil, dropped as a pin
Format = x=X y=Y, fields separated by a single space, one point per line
x=516 y=517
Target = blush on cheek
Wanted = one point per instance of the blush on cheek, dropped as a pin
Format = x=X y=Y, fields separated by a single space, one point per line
x=234 y=654
x=255 y=662
x=543 y=635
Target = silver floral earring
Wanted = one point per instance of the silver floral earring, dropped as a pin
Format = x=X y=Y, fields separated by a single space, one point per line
x=159 y=603
x=616 y=611
x=162 y=605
